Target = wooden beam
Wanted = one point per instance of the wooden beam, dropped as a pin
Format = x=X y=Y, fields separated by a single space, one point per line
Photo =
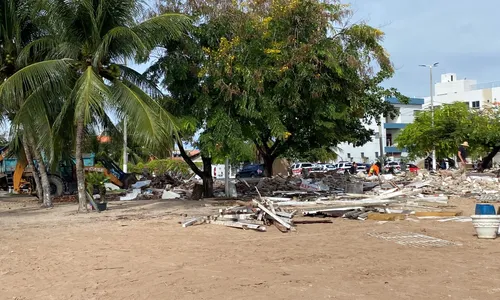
x=438 y=213
x=270 y=213
x=241 y=225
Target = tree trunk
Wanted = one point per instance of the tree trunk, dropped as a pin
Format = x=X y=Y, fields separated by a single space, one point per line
x=208 y=182
x=487 y=160
x=205 y=175
x=80 y=171
x=34 y=171
x=47 y=199
x=268 y=165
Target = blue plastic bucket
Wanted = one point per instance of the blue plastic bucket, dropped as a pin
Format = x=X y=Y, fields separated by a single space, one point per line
x=485 y=209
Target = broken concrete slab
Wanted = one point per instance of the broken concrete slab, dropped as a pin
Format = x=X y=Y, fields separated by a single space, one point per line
x=141 y=184
x=316 y=186
x=168 y=195
x=131 y=196
x=111 y=187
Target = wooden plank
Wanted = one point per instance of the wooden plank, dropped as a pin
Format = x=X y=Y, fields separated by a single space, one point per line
x=274 y=216
x=241 y=225
x=438 y=213
x=385 y=217
x=191 y=222
x=91 y=200
x=313 y=221
x=277 y=199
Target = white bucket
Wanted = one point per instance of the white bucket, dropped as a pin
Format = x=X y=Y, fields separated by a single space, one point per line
x=486 y=225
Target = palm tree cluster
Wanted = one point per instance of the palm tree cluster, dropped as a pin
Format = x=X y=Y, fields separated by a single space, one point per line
x=63 y=73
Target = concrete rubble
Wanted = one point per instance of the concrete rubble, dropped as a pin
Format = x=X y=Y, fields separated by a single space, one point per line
x=403 y=196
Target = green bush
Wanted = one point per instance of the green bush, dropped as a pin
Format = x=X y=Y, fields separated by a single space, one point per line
x=161 y=166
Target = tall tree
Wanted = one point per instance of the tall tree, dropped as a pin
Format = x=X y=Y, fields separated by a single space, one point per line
x=289 y=76
x=84 y=53
x=19 y=26
x=453 y=124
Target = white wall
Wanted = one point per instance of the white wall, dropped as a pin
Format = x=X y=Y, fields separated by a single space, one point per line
x=486 y=97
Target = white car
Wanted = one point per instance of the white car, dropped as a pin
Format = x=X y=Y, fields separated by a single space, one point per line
x=342 y=167
x=329 y=167
x=298 y=167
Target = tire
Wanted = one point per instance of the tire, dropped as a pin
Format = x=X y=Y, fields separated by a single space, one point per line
x=56 y=186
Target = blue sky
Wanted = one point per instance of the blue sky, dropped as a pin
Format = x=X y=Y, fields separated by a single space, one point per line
x=460 y=35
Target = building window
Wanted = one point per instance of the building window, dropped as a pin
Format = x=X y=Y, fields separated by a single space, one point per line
x=376 y=154
x=388 y=139
x=348 y=155
x=451 y=77
x=475 y=104
x=362 y=154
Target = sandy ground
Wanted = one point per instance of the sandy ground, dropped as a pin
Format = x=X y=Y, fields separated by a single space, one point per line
x=137 y=250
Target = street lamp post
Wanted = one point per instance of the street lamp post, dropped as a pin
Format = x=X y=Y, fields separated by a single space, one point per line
x=432 y=109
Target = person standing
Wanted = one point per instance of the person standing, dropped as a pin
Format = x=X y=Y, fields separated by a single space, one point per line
x=354 y=168
x=462 y=155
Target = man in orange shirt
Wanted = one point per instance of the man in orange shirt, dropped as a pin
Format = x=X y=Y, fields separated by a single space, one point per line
x=375 y=169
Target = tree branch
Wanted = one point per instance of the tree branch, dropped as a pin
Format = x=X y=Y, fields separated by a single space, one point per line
x=188 y=159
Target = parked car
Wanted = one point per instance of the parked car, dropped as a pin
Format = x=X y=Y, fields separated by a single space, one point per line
x=361 y=168
x=297 y=168
x=251 y=171
x=393 y=164
x=343 y=167
x=329 y=167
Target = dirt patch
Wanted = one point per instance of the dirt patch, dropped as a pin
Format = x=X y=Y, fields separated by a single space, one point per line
x=137 y=250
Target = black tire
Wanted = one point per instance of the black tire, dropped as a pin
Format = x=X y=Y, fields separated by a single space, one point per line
x=56 y=186
x=128 y=181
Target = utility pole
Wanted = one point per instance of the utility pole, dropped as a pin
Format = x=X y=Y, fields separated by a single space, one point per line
x=381 y=142
x=125 y=152
x=432 y=109
x=226 y=178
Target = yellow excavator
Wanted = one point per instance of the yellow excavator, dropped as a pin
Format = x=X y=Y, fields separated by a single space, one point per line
x=15 y=174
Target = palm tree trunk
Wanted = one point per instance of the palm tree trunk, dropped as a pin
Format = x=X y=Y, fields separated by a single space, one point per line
x=34 y=171
x=47 y=200
x=80 y=171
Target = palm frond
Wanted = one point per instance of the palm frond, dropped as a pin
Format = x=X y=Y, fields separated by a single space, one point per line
x=157 y=30
x=18 y=86
x=89 y=95
x=125 y=39
x=149 y=123
x=141 y=81
x=35 y=115
x=36 y=50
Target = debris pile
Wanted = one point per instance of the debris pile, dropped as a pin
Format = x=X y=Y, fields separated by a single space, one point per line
x=257 y=216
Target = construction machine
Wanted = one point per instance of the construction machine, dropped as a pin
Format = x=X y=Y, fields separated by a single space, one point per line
x=14 y=173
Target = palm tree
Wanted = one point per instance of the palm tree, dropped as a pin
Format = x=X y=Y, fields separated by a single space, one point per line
x=18 y=28
x=84 y=51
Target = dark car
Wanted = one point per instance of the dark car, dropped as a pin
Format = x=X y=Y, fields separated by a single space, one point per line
x=251 y=171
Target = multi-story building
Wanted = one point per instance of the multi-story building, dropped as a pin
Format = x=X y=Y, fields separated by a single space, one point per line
x=390 y=130
x=451 y=89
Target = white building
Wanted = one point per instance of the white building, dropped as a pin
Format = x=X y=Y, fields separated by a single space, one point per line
x=390 y=130
x=451 y=89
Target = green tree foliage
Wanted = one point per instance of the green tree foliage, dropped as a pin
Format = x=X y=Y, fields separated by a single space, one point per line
x=285 y=75
x=83 y=52
x=453 y=124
